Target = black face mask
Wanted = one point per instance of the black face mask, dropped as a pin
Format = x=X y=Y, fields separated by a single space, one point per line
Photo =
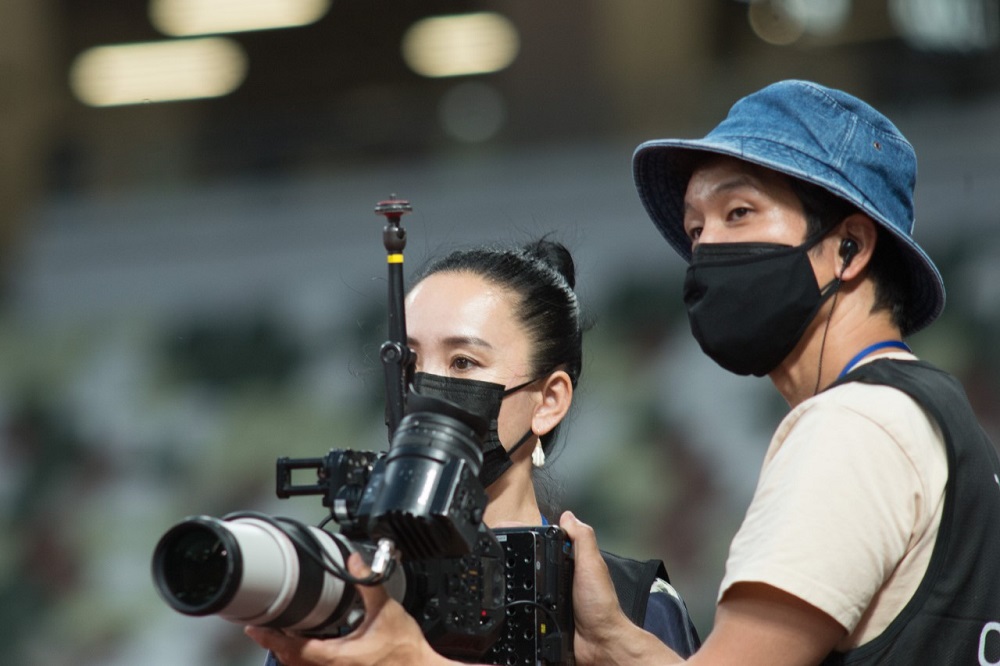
x=482 y=399
x=750 y=303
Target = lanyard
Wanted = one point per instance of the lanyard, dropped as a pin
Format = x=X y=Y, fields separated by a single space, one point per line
x=898 y=344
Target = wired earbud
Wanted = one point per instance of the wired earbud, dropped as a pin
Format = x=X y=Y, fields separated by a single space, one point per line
x=848 y=248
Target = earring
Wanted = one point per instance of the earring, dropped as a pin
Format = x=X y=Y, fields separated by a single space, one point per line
x=538 y=455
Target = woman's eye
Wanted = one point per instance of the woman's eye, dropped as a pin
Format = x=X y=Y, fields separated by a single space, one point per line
x=462 y=363
x=694 y=233
x=738 y=212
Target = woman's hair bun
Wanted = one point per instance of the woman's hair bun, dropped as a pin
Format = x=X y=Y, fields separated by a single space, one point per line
x=554 y=255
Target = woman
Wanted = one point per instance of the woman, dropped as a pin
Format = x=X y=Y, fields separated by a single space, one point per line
x=504 y=323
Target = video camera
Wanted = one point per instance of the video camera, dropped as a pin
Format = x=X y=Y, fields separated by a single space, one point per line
x=498 y=596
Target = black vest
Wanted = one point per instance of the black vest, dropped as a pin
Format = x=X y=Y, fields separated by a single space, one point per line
x=954 y=616
x=633 y=580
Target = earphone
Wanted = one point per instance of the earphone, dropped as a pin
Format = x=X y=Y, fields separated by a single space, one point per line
x=848 y=248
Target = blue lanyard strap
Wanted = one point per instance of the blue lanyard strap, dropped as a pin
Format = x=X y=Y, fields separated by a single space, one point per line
x=898 y=344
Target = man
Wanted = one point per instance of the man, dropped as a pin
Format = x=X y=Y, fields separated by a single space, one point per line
x=874 y=533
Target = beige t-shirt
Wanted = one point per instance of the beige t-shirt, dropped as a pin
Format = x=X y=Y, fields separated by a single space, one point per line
x=847 y=507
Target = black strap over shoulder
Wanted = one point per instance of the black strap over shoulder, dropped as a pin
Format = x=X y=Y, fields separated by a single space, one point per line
x=952 y=617
x=633 y=580
x=665 y=615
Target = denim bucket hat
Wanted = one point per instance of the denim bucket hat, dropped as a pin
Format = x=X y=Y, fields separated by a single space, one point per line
x=816 y=134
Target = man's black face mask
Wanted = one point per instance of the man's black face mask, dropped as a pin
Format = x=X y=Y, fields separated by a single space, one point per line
x=750 y=303
x=482 y=399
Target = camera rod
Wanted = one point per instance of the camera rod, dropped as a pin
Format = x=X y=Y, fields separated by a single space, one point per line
x=397 y=357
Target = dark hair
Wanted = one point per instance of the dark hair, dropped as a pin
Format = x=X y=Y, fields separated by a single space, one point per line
x=823 y=211
x=543 y=275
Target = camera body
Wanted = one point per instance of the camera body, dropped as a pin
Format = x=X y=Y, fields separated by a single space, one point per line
x=538 y=572
x=525 y=573
x=496 y=596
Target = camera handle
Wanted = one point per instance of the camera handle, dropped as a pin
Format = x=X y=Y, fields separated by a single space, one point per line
x=397 y=357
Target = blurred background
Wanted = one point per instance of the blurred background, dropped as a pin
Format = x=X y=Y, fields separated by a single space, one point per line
x=192 y=277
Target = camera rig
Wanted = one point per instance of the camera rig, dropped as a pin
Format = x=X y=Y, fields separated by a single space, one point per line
x=496 y=596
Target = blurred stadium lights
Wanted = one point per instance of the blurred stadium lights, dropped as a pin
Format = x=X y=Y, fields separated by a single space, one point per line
x=819 y=17
x=460 y=44
x=933 y=25
x=165 y=71
x=773 y=24
x=783 y=22
x=183 y=18
x=948 y=25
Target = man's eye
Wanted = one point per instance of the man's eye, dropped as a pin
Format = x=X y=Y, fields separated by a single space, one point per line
x=694 y=233
x=739 y=212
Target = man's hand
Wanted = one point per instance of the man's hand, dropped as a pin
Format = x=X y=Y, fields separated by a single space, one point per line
x=387 y=636
x=604 y=635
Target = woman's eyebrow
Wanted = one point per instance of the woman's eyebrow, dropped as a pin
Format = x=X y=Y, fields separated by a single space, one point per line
x=470 y=340
x=456 y=341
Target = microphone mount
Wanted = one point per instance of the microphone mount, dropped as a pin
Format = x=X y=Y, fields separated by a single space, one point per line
x=396 y=356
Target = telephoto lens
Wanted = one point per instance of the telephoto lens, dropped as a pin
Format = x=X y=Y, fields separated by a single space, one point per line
x=257 y=570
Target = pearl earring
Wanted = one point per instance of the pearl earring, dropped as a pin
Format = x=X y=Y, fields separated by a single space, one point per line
x=538 y=455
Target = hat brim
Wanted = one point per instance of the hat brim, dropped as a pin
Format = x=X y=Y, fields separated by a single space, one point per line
x=662 y=168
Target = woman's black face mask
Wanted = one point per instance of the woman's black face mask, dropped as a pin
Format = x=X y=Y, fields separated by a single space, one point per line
x=750 y=303
x=482 y=399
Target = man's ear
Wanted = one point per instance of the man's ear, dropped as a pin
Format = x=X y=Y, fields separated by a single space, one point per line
x=557 y=395
x=855 y=237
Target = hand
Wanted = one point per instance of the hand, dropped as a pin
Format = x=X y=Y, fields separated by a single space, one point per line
x=599 y=619
x=755 y=623
x=388 y=635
